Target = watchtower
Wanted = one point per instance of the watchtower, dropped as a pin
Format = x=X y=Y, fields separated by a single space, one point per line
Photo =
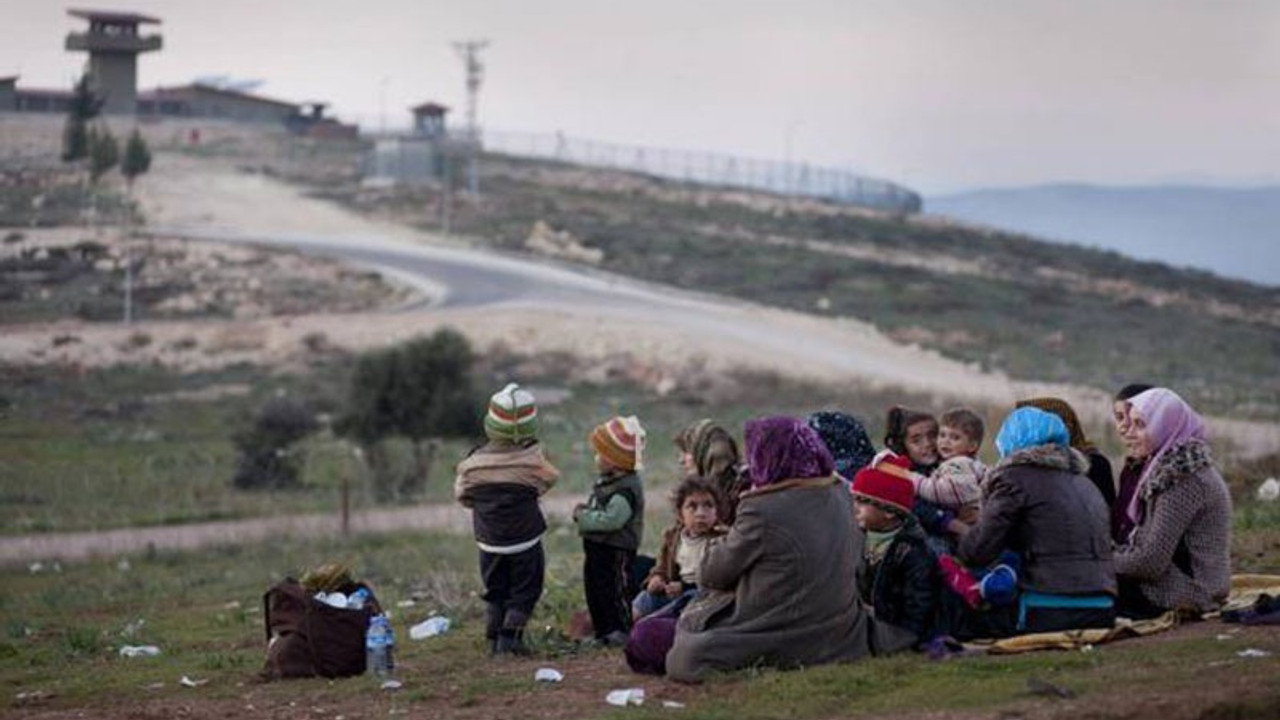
x=113 y=44
x=428 y=119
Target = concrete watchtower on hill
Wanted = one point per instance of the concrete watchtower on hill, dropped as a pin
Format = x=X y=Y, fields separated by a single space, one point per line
x=113 y=44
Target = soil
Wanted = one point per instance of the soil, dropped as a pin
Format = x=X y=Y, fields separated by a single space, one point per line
x=589 y=677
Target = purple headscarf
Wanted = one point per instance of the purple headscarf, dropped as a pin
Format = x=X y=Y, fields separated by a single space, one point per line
x=782 y=448
x=1170 y=422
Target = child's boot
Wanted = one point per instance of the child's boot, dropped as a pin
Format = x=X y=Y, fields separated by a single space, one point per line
x=493 y=626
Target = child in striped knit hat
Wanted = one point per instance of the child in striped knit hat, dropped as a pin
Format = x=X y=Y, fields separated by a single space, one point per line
x=501 y=482
x=611 y=524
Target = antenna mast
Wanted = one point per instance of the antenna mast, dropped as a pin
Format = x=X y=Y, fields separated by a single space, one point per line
x=469 y=51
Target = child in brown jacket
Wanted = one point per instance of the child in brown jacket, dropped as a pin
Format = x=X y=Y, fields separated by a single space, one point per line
x=675 y=577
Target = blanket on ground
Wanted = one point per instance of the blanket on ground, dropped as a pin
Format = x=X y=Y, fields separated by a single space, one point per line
x=1245 y=591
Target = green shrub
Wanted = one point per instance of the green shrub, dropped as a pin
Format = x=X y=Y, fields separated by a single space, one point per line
x=264 y=457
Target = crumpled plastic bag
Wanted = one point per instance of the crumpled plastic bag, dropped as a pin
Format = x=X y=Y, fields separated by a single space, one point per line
x=625 y=697
x=434 y=625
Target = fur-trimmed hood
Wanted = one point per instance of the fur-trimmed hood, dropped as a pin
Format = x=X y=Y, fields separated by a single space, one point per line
x=1178 y=463
x=1053 y=457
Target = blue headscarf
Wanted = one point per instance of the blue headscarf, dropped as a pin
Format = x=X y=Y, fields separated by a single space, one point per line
x=847 y=440
x=1028 y=427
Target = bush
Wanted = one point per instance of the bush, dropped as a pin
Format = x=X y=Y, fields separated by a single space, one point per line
x=421 y=391
x=264 y=459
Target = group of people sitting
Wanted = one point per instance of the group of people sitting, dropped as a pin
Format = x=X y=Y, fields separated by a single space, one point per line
x=814 y=547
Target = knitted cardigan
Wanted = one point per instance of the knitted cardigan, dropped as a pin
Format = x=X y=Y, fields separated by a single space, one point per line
x=1180 y=550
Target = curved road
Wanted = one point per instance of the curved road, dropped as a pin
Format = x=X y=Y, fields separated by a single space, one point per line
x=768 y=338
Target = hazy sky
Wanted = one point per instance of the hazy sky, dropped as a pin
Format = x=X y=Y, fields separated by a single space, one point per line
x=941 y=95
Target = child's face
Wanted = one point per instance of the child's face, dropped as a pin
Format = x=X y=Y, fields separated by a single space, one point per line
x=602 y=464
x=698 y=513
x=873 y=518
x=922 y=442
x=953 y=442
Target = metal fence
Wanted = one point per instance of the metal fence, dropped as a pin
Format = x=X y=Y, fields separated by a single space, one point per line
x=785 y=178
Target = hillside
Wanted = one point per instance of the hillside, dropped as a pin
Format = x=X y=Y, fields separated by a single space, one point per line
x=1039 y=311
x=1230 y=231
x=1034 y=309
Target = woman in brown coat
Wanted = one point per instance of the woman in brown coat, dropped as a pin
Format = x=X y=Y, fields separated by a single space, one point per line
x=782 y=581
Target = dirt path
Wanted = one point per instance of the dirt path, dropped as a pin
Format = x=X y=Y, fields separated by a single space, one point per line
x=26 y=549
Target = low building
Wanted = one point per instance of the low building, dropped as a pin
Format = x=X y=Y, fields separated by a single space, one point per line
x=8 y=93
x=205 y=101
x=41 y=100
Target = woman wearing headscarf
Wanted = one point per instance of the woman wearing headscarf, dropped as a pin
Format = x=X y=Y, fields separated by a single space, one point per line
x=1130 y=467
x=846 y=438
x=1178 y=554
x=782 y=581
x=1100 y=473
x=1038 y=504
x=712 y=454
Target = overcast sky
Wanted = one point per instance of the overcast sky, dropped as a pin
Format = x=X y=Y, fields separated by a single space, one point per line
x=941 y=95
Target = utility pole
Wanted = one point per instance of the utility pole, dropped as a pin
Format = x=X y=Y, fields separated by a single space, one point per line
x=469 y=52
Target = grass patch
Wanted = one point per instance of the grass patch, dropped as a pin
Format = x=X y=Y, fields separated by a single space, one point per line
x=98 y=450
x=64 y=629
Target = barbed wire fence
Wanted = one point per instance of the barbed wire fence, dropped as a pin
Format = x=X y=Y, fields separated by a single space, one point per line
x=708 y=168
x=401 y=155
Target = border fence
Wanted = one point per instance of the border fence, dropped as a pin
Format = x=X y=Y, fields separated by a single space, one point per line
x=707 y=168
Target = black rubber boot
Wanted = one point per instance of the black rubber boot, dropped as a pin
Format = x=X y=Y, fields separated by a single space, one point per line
x=493 y=627
x=511 y=642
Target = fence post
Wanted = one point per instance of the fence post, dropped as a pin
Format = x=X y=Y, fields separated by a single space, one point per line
x=346 y=504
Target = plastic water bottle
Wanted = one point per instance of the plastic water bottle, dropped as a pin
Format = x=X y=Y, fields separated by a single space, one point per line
x=378 y=644
x=357 y=599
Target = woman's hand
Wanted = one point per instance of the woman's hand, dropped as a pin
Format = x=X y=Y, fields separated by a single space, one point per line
x=656 y=585
x=674 y=588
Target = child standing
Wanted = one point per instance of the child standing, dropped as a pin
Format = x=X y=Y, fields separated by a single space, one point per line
x=611 y=524
x=501 y=482
x=675 y=577
x=899 y=580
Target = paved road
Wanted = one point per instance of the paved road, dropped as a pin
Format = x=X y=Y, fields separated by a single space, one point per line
x=453 y=277
x=459 y=277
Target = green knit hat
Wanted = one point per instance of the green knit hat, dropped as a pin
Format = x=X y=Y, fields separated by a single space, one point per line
x=512 y=414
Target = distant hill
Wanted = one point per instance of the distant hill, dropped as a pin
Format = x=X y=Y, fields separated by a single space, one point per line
x=1231 y=232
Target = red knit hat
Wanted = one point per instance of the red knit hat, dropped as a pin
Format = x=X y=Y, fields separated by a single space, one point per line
x=888 y=483
x=620 y=441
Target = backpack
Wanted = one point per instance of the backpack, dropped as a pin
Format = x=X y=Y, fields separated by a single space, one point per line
x=307 y=638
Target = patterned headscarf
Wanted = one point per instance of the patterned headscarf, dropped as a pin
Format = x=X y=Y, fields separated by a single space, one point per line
x=1062 y=409
x=781 y=448
x=1028 y=427
x=1170 y=422
x=714 y=451
x=846 y=438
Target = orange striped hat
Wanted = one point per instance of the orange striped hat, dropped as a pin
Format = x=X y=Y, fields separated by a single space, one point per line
x=620 y=441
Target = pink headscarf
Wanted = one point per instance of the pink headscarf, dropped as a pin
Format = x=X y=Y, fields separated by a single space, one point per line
x=1170 y=422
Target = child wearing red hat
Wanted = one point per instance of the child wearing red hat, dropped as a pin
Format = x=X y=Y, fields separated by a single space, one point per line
x=900 y=581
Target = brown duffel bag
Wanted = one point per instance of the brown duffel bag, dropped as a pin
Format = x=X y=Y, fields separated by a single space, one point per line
x=307 y=638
